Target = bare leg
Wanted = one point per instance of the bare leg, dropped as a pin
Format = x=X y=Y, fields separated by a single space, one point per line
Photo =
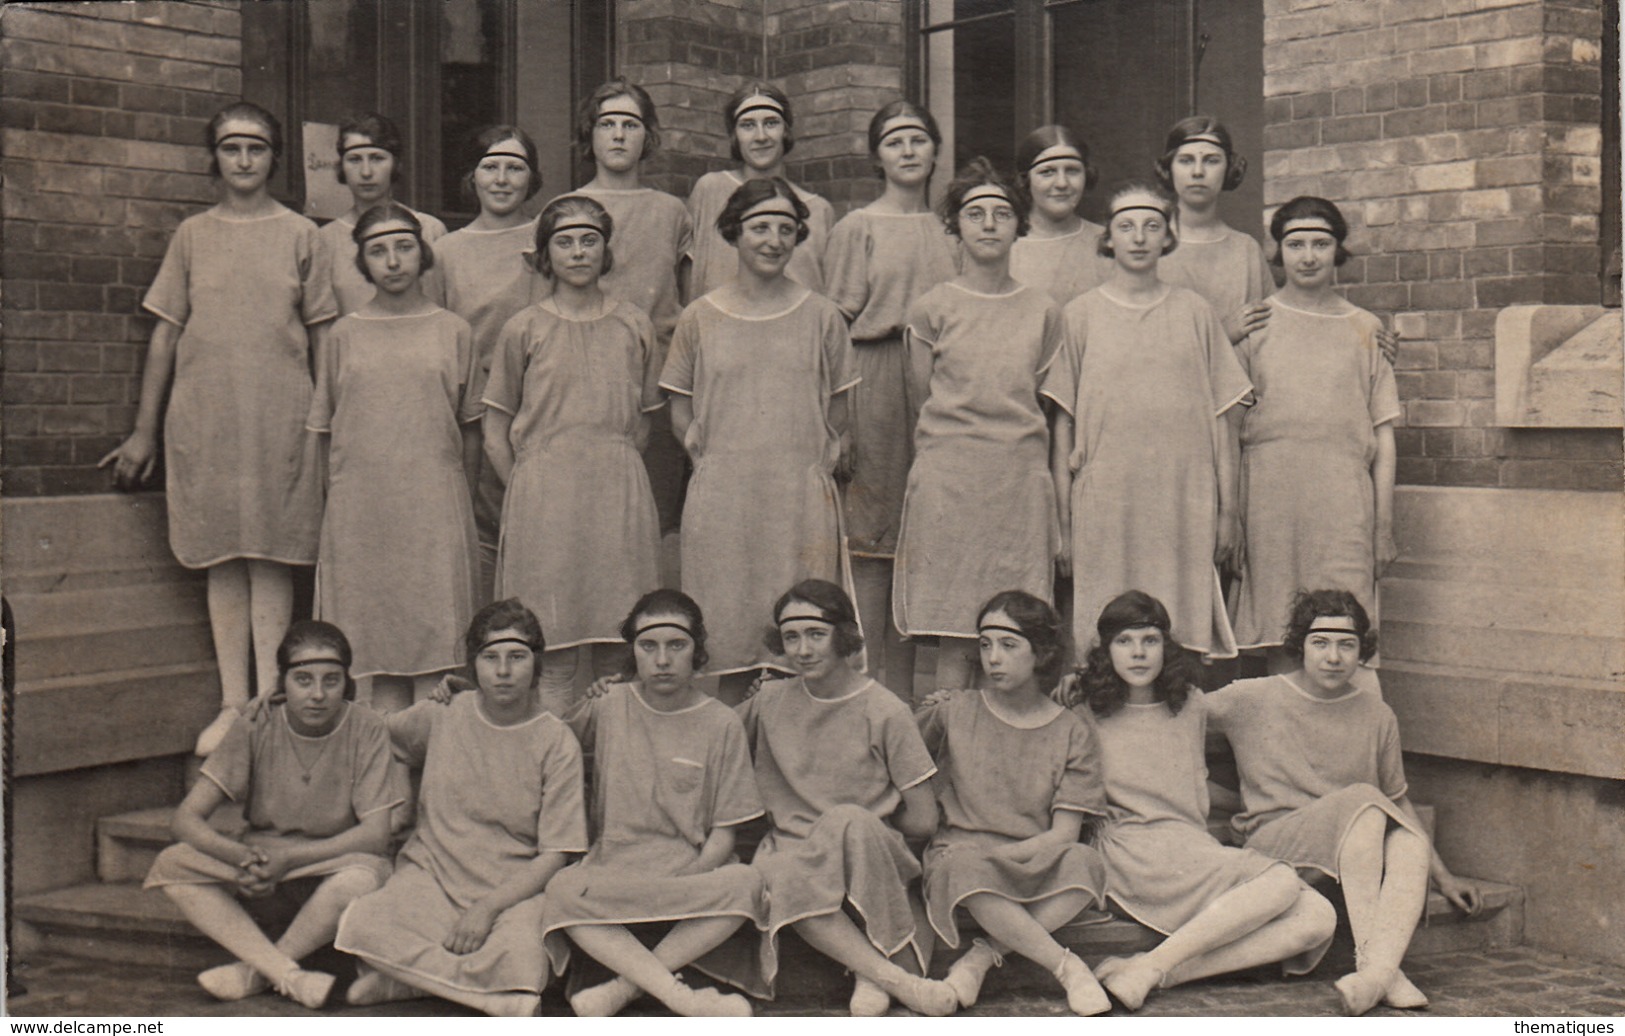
x=835 y=936
x=686 y=943
x=957 y=661
x=891 y=657
x=270 y=589
x=619 y=949
x=1013 y=925
x=216 y=913
x=1307 y=923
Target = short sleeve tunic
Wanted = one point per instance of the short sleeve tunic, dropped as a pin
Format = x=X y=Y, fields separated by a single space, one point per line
x=878 y=266
x=1000 y=781
x=716 y=262
x=393 y=394
x=1146 y=386
x=762 y=511
x=350 y=288
x=981 y=460
x=1322 y=388
x=1309 y=766
x=1230 y=271
x=242 y=477
x=580 y=539
x=1065 y=266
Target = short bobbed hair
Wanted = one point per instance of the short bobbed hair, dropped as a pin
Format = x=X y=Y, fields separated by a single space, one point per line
x=665 y=601
x=385 y=212
x=380 y=131
x=1235 y=166
x=250 y=112
x=752 y=193
x=481 y=142
x=508 y=614
x=730 y=114
x=977 y=173
x=557 y=212
x=1041 y=140
x=832 y=603
x=897 y=109
x=1307 y=206
x=1309 y=605
x=1098 y=681
x=1170 y=215
x=312 y=633
x=1039 y=623
x=620 y=86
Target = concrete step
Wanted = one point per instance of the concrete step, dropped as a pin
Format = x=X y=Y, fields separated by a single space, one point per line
x=159 y=597
x=71 y=722
x=121 y=922
x=127 y=843
x=1594 y=611
x=165 y=640
x=1495 y=648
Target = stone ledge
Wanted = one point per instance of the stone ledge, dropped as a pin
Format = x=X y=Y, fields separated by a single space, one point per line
x=1558 y=367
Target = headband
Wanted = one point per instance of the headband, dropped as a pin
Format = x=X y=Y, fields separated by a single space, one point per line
x=756 y=102
x=245 y=136
x=579 y=224
x=497 y=151
x=388 y=231
x=508 y=640
x=641 y=630
x=633 y=114
x=1055 y=152
x=1204 y=138
x=357 y=147
x=822 y=616
x=986 y=190
x=1138 y=208
x=1318 y=627
x=319 y=660
x=912 y=123
x=1307 y=224
x=984 y=627
x=784 y=208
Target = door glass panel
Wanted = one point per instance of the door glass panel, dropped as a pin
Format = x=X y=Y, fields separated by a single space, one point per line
x=972 y=79
x=341 y=60
x=473 y=50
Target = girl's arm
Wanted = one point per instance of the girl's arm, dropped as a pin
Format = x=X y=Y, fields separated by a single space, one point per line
x=1226 y=550
x=1462 y=894
x=1064 y=827
x=717 y=850
x=1382 y=484
x=1060 y=466
x=474 y=926
x=917 y=816
x=134 y=458
x=191 y=825
x=278 y=854
x=471 y=455
x=682 y=415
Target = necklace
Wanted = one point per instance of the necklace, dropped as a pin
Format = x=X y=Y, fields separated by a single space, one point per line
x=307 y=764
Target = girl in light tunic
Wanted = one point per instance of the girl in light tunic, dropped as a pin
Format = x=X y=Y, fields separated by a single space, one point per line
x=843 y=774
x=1326 y=403
x=486 y=276
x=500 y=809
x=1222 y=909
x=760 y=373
x=1060 y=254
x=316 y=784
x=1144 y=457
x=1018 y=776
x=392 y=398
x=761 y=132
x=243 y=299
x=370 y=156
x=881 y=259
x=672 y=783
x=1323 y=788
x=979 y=345
x=572 y=382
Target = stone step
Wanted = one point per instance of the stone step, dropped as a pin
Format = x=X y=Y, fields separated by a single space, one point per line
x=165 y=598
x=1598 y=611
x=1496 y=648
x=162 y=640
x=71 y=722
x=127 y=843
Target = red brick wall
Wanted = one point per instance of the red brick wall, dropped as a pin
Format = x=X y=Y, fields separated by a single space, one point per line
x=1462 y=139
x=103 y=107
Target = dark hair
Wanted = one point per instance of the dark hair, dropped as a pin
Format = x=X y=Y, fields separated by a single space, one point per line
x=1098 y=681
x=1309 y=605
x=1170 y=214
x=507 y=614
x=897 y=109
x=1307 y=206
x=730 y=114
x=752 y=193
x=313 y=633
x=376 y=128
x=554 y=214
x=670 y=602
x=253 y=113
x=383 y=212
x=1039 y=623
x=980 y=171
x=620 y=86
x=481 y=142
x=1235 y=166
x=1042 y=139
x=830 y=600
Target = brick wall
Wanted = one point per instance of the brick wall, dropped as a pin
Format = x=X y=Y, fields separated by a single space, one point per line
x=104 y=107
x=1462 y=139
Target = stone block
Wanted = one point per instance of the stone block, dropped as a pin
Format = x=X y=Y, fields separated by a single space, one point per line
x=1558 y=366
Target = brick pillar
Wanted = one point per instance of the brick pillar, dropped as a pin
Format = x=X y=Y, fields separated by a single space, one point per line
x=104 y=109
x=1462 y=140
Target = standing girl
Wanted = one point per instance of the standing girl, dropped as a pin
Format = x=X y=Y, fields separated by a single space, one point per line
x=1060 y=254
x=242 y=299
x=1326 y=403
x=1018 y=775
x=1143 y=456
x=844 y=775
x=316 y=784
x=880 y=259
x=978 y=346
x=485 y=278
x=1222 y=909
x=761 y=131
x=1323 y=788
x=572 y=381
x=759 y=375
x=370 y=156
x=393 y=396
x=672 y=783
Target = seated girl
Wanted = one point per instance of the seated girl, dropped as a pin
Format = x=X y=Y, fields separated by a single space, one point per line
x=1221 y=908
x=1018 y=775
x=1323 y=788
x=843 y=773
x=500 y=807
x=316 y=783
x=672 y=781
